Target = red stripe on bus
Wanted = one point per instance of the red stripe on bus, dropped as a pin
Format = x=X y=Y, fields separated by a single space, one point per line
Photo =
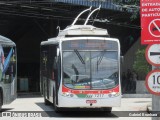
x=65 y=89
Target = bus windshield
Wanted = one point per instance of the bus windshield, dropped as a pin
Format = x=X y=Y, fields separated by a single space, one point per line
x=90 y=68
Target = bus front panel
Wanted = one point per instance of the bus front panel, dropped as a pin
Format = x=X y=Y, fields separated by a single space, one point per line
x=90 y=69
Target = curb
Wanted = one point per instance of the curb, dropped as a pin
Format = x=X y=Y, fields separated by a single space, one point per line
x=136 y=96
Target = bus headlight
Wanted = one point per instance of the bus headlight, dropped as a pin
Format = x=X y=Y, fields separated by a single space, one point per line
x=115 y=94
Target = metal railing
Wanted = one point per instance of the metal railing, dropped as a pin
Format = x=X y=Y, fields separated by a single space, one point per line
x=119 y=5
x=95 y=3
x=106 y=4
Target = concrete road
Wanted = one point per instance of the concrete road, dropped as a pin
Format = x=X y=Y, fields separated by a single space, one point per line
x=37 y=104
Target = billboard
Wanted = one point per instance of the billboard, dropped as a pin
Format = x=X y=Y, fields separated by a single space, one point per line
x=150 y=21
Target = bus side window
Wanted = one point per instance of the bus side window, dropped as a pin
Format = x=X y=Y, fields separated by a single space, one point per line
x=44 y=60
x=55 y=64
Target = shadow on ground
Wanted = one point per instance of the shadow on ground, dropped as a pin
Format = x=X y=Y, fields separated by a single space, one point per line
x=73 y=113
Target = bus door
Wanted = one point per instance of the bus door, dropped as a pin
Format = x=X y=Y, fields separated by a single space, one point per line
x=57 y=73
x=47 y=79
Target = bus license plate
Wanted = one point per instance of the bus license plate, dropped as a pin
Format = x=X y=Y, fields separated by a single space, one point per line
x=91 y=101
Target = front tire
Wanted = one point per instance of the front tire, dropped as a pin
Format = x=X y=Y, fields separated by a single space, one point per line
x=46 y=102
x=56 y=109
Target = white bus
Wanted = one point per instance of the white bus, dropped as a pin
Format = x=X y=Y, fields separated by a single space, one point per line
x=8 y=71
x=80 y=68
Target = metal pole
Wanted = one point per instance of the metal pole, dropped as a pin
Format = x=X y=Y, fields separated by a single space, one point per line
x=155 y=102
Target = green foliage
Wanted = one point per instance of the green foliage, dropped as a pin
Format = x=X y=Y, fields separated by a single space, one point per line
x=133 y=5
x=140 y=65
x=129 y=2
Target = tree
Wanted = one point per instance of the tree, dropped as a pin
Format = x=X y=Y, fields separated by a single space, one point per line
x=132 y=6
x=141 y=66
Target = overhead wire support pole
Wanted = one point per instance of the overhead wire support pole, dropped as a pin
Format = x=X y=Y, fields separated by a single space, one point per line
x=80 y=15
x=91 y=14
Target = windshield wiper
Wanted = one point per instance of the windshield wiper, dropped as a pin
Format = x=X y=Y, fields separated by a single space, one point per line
x=79 y=56
x=100 y=59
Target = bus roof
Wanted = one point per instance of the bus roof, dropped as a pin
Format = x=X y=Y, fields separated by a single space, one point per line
x=83 y=30
x=6 y=41
x=78 y=31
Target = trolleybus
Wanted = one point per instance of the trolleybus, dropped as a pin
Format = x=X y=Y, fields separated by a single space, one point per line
x=8 y=71
x=80 y=68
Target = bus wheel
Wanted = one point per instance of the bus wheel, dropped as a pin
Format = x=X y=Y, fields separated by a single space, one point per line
x=1 y=99
x=46 y=102
x=56 y=109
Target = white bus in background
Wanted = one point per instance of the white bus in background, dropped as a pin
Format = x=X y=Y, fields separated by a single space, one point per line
x=80 y=68
x=8 y=71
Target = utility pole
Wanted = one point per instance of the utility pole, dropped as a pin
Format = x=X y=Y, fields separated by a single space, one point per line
x=155 y=102
x=156 y=106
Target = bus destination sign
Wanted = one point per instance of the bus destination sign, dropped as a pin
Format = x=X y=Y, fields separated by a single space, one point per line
x=89 y=45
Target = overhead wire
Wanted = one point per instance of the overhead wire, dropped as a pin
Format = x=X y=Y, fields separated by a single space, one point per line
x=34 y=15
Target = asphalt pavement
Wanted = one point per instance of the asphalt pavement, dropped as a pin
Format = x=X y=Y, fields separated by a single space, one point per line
x=35 y=104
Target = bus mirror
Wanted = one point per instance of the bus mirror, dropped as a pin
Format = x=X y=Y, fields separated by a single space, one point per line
x=57 y=51
x=122 y=59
